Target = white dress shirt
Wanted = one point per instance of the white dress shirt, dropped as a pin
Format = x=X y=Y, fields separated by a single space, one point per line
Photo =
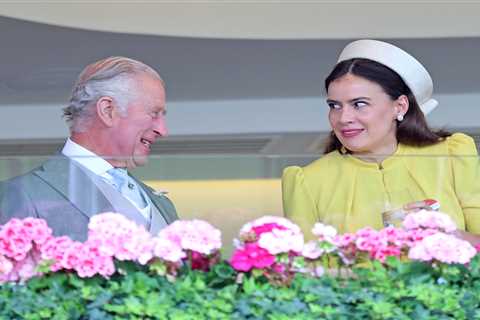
x=99 y=166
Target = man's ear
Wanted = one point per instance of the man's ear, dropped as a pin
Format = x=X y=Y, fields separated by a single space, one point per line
x=402 y=105
x=105 y=110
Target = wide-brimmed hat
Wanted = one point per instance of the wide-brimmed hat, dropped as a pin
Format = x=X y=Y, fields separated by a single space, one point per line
x=407 y=67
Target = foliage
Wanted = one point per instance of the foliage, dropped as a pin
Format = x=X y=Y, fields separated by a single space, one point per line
x=396 y=290
x=122 y=272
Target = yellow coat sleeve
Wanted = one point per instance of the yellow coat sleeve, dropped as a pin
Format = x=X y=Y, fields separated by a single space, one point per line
x=466 y=173
x=298 y=203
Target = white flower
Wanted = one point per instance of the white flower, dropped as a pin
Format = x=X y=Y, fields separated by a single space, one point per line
x=324 y=232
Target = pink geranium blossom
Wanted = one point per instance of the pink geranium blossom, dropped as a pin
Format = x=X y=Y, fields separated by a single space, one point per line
x=17 y=237
x=22 y=270
x=267 y=224
x=324 y=232
x=168 y=250
x=281 y=241
x=195 y=240
x=26 y=243
x=119 y=237
x=195 y=235
x=54 y=249
x=87 y=260
x=311 y=250
x=442 y=247
x=427 y=219
x=251 y=256
x=20 y=242
x=275 y=234
x=269 y=243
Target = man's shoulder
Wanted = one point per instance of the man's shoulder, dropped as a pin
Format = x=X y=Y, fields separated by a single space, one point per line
x=34 y=175
x=22 y=178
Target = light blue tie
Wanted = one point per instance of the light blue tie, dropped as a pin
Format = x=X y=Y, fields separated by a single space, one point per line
x=127 y=186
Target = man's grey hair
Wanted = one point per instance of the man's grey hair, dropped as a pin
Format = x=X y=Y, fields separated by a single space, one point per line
x=112 y=77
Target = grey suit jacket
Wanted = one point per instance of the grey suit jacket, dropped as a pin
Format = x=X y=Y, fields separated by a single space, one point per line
x=66 y=195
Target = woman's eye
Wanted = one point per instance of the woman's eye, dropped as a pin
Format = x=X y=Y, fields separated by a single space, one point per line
x=332 y=105
x=359 y=104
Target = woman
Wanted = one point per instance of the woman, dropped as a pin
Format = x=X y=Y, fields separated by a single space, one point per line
x=382 y=155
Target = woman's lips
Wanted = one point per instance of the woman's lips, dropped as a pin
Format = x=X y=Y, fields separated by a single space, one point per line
x=350 y=133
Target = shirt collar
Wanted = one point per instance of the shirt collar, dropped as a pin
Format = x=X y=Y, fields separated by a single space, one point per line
x=85 y=158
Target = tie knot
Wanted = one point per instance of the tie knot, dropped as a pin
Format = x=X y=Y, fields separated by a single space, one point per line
x=119 y=175
x=121 y=181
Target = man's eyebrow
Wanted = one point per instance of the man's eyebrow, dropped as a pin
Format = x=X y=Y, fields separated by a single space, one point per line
x=160 y=109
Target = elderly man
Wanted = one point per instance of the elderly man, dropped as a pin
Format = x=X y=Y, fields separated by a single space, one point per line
x=116 y=112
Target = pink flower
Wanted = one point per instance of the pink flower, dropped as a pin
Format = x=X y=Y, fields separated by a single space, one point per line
x=168 y=250
x=90 y=261
x=19 y=247
x=200 y=262
x=116 y=236
x=324 y=232
x=369 y=239
x=443 y=247
x=419 y=252
x=394 y=236
x=279 y=268
x=281 y=241
x=275 y=234
x=195 y=235
x=5 y=265
x=429 y=220
x=86 y=259
x=71 y=257
x=37 y=230
x=344 y=240
x=15 y=241
x=312 y=251
x=54 y=249
x=415 y=235
x=266 y=228
x=267 y=224
x=251 y=256
x=22 y=270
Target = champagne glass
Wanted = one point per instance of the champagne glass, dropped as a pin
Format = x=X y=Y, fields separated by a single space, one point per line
x=393 y=212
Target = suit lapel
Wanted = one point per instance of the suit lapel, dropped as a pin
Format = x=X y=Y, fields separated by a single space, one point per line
x=162 y=204
x=73 y=182
x=121 y=204
x=88 y=193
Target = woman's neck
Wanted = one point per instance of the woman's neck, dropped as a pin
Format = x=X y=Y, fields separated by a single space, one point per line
x=377 y=155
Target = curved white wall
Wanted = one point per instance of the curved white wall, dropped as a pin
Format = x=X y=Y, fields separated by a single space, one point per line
x=246 y=19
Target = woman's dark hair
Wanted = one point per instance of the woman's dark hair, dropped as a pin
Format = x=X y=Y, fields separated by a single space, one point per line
x=413 y=130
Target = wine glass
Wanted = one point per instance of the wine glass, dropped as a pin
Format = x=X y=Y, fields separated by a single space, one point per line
x=393 y=212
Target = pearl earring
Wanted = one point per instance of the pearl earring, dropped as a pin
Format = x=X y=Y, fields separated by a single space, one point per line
x=399 y=117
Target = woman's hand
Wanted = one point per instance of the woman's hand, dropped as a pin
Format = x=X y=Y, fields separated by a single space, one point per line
x=427 y=204
x=395 y=217
x=430 y=204
x=467 y=236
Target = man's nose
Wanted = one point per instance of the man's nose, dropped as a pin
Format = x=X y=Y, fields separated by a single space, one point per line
x=160 y=127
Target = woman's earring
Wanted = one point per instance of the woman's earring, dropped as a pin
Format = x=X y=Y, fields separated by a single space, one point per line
x=399 y=117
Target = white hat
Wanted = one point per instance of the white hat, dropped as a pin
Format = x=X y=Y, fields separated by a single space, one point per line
x=408 y=68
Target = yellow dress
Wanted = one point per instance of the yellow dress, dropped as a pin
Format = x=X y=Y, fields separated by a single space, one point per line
x=349 y=194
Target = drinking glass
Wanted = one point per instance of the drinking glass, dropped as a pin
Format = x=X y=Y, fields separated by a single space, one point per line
x=393 y=212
